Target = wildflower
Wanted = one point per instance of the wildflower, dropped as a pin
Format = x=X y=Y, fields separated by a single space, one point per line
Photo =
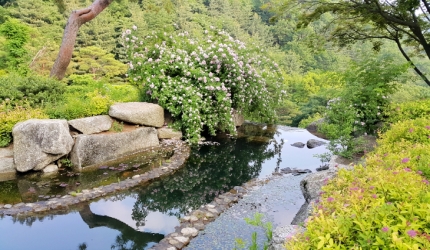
x=412 y=233
x=405 y=160
x=426 y=182
x=374 y=196
x=407 y=169
x=385 y=229
x=330 y=199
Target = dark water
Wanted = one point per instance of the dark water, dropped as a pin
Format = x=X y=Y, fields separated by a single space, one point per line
x=139 y=218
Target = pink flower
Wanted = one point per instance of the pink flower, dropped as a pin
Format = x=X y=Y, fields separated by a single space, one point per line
x=428 y=127
x=411 y=130
x=330 y=199
x=412 y=233
x=407 y=169
x=374 y=196
x=405 y=160
x=426 y=182
x=385 y=229
x=419 y=172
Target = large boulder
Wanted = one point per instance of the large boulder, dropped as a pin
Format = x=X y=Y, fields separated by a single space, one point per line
x=168 y=133
x=91 y=150
x=40 y=142
x=141 y=113
x=92 y=125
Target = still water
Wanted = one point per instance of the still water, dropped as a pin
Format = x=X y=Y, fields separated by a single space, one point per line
x=140 y=217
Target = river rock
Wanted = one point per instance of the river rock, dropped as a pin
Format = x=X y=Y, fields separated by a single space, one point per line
x=168 y=133
x=141 y=113
x=313 y=127
x=6 y=165
x=237 y=119
x=311 y=184
x=313 y=143
x=95 y=149
x=92 y=125
x=40 y=142
x=50 y=168
x=6 y=152
x=298 y=145
x=189 y=231
x=281 y=234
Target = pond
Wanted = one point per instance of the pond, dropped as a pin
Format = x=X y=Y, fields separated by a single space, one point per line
x=140 y=217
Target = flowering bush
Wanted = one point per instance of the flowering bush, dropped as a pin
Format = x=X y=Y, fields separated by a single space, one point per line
x=201 y=81
x=408 y=110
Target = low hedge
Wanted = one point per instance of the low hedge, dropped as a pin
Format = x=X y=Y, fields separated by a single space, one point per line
x=383 y=205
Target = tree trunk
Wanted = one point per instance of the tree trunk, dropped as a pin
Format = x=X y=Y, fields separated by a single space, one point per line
x=76 y=19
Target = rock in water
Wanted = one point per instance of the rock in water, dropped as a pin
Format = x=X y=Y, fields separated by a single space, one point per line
x=312 y=143
x=95 y=149
x=40 y=142
x=141 y=113
x=298 y=145
x=92 y=125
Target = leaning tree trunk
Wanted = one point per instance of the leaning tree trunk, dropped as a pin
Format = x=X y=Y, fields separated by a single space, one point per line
x=76 y=19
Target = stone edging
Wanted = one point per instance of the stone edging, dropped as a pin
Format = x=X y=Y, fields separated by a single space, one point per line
x=197 y=220
x=180 y=155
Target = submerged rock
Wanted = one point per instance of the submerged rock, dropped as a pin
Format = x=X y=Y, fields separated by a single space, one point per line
x=312 y=143
x=40 y=142
x=95 y=149
x=92 y=125
x=298 y=145
x=141 y=113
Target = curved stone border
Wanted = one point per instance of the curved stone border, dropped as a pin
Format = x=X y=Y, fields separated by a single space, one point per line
x=197 y=220
x=180 y=155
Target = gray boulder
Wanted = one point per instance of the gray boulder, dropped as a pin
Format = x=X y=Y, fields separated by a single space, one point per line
x=168 y=133
x=92 y=125
x=312 y=143
x=311 y=184
x=6 y=165
x=141 y=113
x=313 y=127
x=95 y=149
x=52 y=168
x=298 y=145
x=281 y=234
x=238 y=119
x=40 y=142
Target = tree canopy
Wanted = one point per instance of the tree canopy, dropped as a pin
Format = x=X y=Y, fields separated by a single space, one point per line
x=405 y=22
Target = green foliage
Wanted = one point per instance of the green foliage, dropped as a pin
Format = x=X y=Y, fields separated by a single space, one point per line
x=408 y=110
x=117 y=126
x=200 y=81
x=11 y=115
x=17 y=35
x=84 y=105
x=384 y=205
x=258 y=222
x=96 y=61
x=33 y=90
x=305 y=122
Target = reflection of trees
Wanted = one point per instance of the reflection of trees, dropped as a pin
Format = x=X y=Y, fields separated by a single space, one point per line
x=129 y=237
x=209 y=170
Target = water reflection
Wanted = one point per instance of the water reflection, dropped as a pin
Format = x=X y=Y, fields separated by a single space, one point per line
x=139 y=218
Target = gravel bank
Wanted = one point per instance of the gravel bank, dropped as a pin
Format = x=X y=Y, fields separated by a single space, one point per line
x=279 y=200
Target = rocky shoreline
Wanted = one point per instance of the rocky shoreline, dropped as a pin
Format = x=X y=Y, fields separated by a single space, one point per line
x=181 y=153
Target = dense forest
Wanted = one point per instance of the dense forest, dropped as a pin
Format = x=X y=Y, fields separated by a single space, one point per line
x=314 y=68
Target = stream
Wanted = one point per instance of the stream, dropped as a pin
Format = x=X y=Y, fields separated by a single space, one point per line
x=140 y=217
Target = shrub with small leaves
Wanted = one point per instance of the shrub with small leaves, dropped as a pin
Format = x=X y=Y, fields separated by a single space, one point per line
x=201 y=81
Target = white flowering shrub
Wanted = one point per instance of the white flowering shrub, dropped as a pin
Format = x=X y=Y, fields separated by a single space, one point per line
x=201 y=81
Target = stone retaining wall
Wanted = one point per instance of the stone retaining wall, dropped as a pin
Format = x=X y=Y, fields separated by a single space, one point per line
x=181 y=153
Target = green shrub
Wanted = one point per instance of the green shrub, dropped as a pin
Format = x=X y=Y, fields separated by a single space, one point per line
x=305 y=122
x=78 y=106
x=33 y=90
x=9 y=116
x=201 y=81
x=408 y=110
x=385 y=205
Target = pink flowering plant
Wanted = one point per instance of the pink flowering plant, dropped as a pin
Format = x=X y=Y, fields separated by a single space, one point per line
x=201 y=80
